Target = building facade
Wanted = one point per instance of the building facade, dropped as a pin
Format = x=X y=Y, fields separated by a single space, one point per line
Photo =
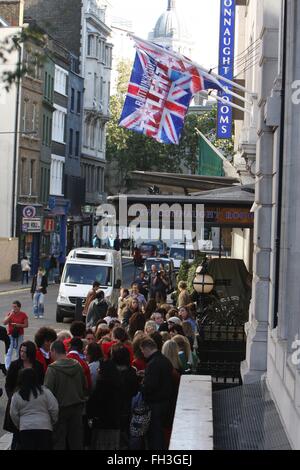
x=267 y=140
x=83 y=31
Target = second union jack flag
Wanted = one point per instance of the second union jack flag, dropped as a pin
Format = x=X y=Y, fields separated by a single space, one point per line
x=157 y=100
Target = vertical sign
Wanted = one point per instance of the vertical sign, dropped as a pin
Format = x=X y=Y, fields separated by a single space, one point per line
x=226 y=66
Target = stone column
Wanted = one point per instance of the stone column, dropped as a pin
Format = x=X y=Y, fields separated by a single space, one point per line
x=255 y=365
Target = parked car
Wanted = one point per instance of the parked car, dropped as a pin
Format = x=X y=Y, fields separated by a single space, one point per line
x=168 y=267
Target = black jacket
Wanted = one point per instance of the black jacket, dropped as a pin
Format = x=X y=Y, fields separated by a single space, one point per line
x=105 y=403
x=158 y=381
x=5 y=338
x=44 y=284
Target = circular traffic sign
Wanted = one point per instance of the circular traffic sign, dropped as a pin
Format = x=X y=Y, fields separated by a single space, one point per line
x=29 y=212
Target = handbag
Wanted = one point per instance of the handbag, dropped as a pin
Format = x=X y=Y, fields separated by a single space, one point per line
x=15 y=332
x=141 y=416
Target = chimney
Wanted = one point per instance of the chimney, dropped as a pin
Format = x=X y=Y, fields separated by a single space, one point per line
x=12 y=12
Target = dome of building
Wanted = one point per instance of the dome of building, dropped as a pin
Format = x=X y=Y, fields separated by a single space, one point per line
x=170 y=25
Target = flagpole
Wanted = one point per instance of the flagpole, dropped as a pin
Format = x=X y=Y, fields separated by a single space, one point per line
x=205 y=94
x=195 y=64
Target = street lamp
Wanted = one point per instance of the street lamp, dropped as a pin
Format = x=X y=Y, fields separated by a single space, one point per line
x=203 y=284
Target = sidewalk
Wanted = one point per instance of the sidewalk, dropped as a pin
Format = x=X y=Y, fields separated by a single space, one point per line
x=6 y=287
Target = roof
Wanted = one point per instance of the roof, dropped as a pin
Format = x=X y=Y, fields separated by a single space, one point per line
x=235 y=195
x=170 y=24
x=184 y=182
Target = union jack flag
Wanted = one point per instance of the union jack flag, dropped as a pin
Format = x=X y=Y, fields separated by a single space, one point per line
x=178 y=62
x=158 y=98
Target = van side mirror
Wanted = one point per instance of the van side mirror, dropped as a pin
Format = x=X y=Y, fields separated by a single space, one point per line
x=118 y=284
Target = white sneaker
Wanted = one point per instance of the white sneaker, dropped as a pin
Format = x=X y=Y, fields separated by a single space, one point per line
x=41 y=316
x=35 y=316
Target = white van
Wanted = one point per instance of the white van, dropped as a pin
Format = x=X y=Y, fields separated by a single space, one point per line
x=179 y=252
x=84 y=266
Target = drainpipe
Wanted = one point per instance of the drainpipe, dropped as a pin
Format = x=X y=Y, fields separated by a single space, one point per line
x=16 y=141
x=280 y=169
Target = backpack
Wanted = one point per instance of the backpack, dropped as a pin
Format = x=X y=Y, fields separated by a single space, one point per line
x=140 y=418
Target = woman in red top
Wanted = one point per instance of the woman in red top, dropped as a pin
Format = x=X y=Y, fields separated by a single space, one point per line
x=16 y=321
x=119 y=335
x=43 y=339
x=139 y=361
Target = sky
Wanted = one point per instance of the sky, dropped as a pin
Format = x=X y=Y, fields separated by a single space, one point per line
x=201 y=17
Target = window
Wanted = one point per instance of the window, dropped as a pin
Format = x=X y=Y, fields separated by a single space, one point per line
x=93 y=135
x=95 y=86
x=47 y=131
x=31 y=178
x=90 y=49
x=24 y=118
x=78 y=102
x=60 y=82
x=101 y=89
x=77 y=144
x=86 y=134
x=34 y=117
x=45 y=85
x=59 y=121
x=72 y=99
x=44 y=129
x=22 y=179
x=71 y=142
x=56 y=175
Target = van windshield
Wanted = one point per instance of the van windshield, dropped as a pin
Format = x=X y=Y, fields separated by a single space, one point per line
x=87 y=274
x=178 y=253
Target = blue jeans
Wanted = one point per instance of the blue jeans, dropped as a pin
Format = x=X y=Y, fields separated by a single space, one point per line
x=15 y=344
x=38 y=304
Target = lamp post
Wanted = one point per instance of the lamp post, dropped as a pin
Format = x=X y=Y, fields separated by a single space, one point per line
x=203 y=284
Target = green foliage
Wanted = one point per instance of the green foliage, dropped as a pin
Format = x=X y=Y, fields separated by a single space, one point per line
x=25 y=38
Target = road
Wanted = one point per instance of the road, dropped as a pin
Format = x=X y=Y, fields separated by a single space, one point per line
x=49 y=317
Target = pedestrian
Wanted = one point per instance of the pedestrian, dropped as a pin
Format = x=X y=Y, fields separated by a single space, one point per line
x=150 y=327
x=34 y=411
x=38 y=292
x=25 y=267
x=136 y=323
x=137 y=257
x=4 y=347
x=16 y=321
x=123 y=302
x=128 y=389
x=93 y=356
x=61 y=262
x=90 y=297
x=77 y=329
x=158 y=285
x=90 y=336
x=76 y=353
x=97 y=309
x=185 y=315
x=117 y=243
x=183 y=297
x=142 y=284
x=150 y=308
x=26 y=360
x=52 y=266
x=135 y=294
x=104 y=408
x=139 y=361
x=133 y=307
x=65 y=378
x=111 y=315
x=157 y=390
x=43 y=339
x=118 y=335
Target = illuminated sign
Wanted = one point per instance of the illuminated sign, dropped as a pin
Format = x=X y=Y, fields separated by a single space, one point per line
x=226 y=66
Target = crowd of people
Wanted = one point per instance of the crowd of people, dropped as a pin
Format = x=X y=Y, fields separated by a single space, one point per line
x=111 y=382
